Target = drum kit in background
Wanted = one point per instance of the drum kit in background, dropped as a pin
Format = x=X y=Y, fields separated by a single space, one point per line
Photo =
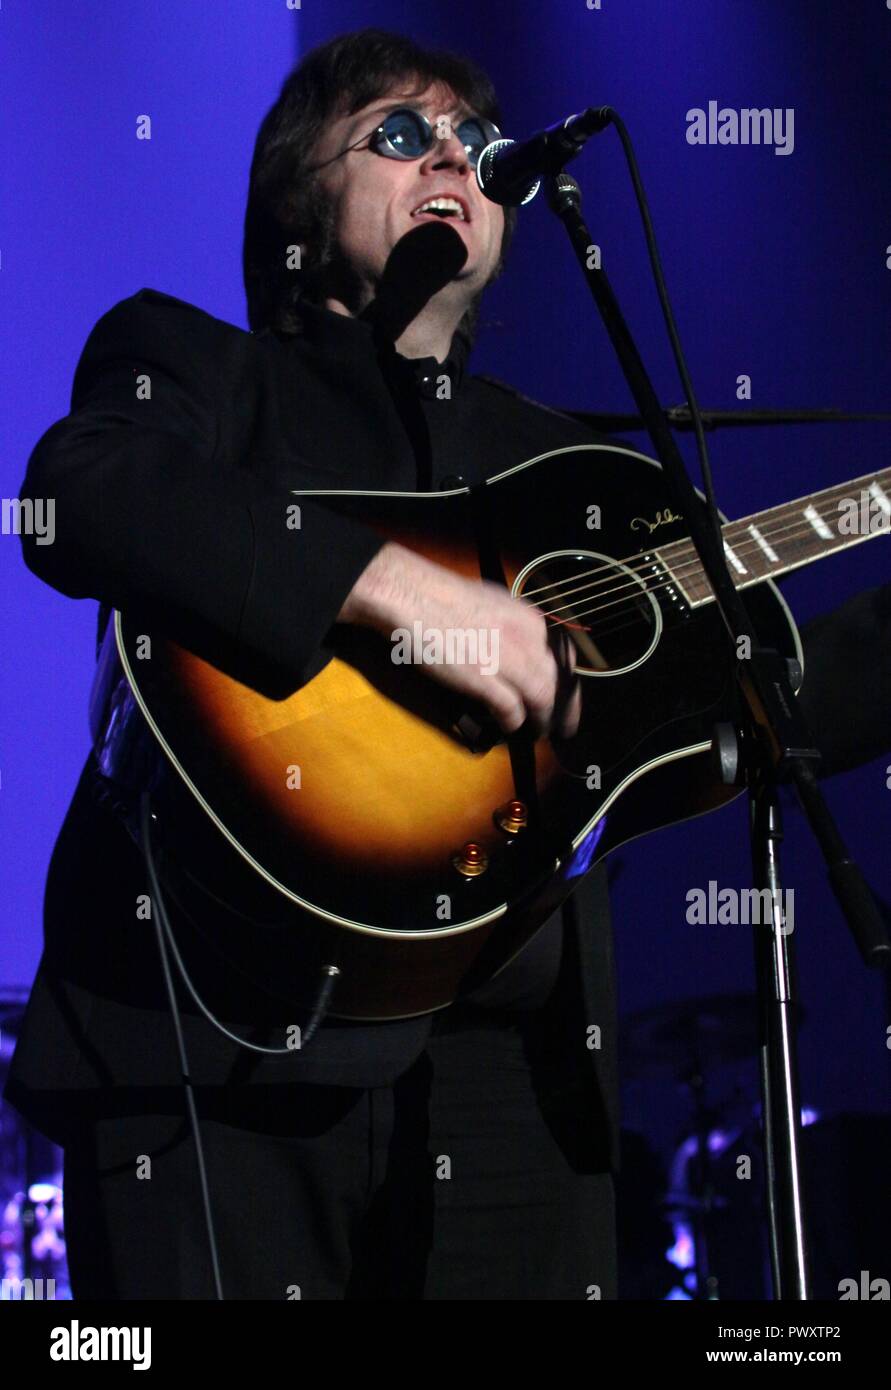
x=692 y=1219
x=32 y=1234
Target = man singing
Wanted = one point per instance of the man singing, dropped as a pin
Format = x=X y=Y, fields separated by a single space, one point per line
x=467 y=1154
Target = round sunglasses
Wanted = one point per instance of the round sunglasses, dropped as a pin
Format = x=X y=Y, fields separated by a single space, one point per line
x=407 y=134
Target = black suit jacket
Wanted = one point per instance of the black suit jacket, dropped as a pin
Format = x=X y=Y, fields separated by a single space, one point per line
x=171 y=477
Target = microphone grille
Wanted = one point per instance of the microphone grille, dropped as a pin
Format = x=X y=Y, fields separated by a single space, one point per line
x=485 y=165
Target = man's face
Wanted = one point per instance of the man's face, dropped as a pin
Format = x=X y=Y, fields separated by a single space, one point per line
x=375 y=200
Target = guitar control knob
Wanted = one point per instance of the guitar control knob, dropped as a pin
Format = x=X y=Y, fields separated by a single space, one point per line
x=471 y=861
x=512 y=817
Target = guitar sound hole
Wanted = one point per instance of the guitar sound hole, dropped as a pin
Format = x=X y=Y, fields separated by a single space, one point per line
x=606 y=607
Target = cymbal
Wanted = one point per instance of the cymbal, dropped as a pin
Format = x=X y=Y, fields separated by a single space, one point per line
x=687 y=1037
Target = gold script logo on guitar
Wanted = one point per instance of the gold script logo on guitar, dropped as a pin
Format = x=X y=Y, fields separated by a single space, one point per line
x=662 y=519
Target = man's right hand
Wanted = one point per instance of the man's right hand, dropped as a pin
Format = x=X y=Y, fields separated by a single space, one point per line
x=529 y=684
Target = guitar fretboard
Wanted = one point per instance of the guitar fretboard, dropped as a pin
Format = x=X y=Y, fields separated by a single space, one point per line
x=784 y=538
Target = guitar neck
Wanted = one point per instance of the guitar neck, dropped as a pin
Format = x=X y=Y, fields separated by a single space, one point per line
x=784 y=538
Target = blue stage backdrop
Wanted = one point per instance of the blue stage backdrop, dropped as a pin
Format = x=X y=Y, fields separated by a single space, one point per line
x=778 y=261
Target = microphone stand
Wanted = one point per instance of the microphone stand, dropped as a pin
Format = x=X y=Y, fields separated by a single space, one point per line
x=772 y=745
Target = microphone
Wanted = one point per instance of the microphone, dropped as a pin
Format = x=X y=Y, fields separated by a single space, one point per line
x=421 y=263
x=509 y=172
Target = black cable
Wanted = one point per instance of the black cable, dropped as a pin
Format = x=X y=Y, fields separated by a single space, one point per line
x=163 y=929
x=162 y=926
x=711 y=506
x=330 y=975
x=668 y=315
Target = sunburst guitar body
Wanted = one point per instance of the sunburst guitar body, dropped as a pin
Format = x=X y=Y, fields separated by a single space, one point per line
x=394 y=835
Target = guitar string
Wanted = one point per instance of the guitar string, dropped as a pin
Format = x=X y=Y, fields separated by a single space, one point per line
x=835 y=494
x=831 y=495
x=631 y=589
x=648 y=558
x=685 y=569
x=635 y=588
x=635 y=591
x=750 y=547
x=675 y=572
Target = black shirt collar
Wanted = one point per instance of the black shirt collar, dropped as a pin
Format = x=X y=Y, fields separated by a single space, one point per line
x=351 y=340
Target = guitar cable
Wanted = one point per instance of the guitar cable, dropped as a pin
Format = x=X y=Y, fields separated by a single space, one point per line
x=161 y=923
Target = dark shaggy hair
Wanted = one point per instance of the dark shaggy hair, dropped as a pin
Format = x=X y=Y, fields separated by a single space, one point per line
x=285 y=204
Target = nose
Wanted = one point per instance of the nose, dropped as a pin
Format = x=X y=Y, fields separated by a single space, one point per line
x=447 y=151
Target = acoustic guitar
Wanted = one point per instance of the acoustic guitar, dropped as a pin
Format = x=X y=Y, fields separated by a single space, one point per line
x=407 y=845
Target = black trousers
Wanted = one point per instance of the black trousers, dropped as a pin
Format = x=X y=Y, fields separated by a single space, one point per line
x=449 y=1184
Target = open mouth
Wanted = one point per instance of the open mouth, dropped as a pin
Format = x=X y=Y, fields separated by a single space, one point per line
x=444 y=207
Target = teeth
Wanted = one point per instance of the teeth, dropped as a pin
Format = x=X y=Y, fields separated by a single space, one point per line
x=441 y=205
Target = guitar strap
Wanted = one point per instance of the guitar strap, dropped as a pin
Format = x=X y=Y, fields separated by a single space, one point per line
x=521 y=746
